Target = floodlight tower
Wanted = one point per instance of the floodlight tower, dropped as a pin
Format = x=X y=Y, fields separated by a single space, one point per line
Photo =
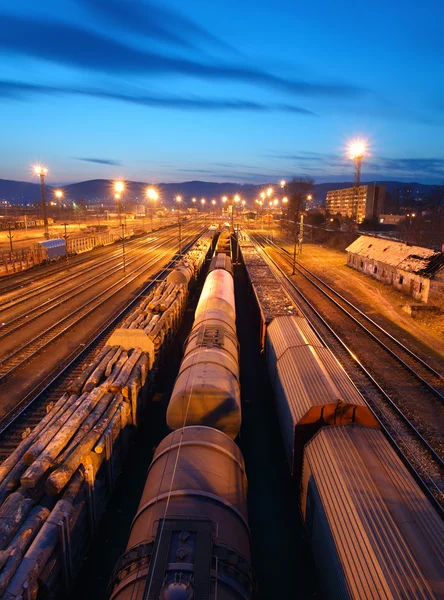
x=41 y=172
x=356 y=151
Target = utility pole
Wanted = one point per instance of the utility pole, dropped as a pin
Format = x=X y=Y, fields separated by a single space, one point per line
x=123 y=247
x=295 y=242
x=301 y=233
x=180 y=233
x=66 y=248
x=10 y=236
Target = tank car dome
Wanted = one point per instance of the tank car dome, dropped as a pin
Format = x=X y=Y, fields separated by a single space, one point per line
x=177 y=591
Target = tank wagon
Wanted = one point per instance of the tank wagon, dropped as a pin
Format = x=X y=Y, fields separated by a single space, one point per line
x=190 y=538
x=373 y=532
x=207 y=389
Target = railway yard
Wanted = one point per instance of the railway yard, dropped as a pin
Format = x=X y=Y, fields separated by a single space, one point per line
x=295 y=440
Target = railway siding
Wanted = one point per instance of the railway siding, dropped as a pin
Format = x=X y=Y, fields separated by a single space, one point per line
x=55 y=485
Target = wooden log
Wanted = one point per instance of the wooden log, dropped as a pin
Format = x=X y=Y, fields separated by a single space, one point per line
x=152 y=324
x=116 y=369
x=87 y=425
x=95 y=377
x=117 y=423
x=48 y=457
x=60 y=476
x=44 y=544
x=19 y=544
x=12 y=513
x=16 y=456
x=125 y=372
x=112 y=362
x=75 y=386
x=13 y=560
x=50 y=431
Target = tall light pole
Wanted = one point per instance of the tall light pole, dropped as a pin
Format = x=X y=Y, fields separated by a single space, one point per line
x=356 y=152
x=119 y=188
x=179 y=200
x=41 y=172
x=213 y=202
x=203 y=209
x=152 y=196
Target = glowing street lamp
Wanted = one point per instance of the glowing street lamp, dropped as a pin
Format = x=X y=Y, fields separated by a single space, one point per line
x=42 y=172
x=153 y=196
x=58 y=194
x=283 y=183
x=213 y=202
x=119 y=188
x=269 y=191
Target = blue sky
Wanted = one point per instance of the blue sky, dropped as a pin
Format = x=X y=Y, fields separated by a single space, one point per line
x=248 y=91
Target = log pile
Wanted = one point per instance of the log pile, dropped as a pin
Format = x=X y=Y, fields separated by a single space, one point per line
x=57 y=480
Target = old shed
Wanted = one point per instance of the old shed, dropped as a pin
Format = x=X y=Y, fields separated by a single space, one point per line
x=413 y=270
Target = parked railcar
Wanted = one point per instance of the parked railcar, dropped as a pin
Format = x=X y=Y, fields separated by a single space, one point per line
x=207 y=388
x=53 y=249
x=311 y=388
x=190 y=537
x=372 y=531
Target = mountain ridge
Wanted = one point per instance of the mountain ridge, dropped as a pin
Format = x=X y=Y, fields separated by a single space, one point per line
x=101 y=190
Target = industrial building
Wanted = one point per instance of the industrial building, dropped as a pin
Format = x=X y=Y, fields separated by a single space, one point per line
x=413 y=270
x=370 y=201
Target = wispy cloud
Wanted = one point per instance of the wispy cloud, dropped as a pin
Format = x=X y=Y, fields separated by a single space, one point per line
x=14 y=90
x=74 y=46
x=373 y=166
x=100 y=161
x=153 y=21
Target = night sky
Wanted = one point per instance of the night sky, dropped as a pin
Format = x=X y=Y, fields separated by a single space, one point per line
x=247 y=91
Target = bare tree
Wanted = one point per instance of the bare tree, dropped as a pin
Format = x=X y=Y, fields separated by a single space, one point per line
x=297 y=191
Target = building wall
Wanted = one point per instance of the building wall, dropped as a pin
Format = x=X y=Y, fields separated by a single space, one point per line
x=370 y=201
x=408 y=283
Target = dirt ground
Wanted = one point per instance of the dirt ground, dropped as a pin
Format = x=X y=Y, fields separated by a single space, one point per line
x=331 y=266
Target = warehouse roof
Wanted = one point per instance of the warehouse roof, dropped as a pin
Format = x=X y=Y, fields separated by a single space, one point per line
x=396 y=254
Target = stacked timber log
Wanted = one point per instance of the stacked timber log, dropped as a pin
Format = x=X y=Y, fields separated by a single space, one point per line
x=55 y=484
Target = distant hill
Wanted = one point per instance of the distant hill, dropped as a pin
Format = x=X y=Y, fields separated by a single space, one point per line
x=101 y=190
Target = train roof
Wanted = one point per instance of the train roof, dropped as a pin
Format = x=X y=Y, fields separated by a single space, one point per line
x=370 y=523
x=55 y=243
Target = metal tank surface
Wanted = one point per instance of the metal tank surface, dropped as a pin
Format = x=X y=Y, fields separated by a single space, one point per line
x=207 y=389
x=190 y=537
x=218 y=292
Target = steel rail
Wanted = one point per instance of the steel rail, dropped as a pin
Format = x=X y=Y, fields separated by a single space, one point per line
x=292 y=288
x=116 y=287
x=115 y=254
x=75 y=356
x=24 y=319
x=434 y=391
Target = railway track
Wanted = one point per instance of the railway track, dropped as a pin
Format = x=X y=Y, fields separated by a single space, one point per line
x=418 y=443
x=31 y=408
x=11 y=326
x=110 y=255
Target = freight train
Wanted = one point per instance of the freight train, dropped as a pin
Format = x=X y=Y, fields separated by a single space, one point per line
x=373 y=533
x=190 y=537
